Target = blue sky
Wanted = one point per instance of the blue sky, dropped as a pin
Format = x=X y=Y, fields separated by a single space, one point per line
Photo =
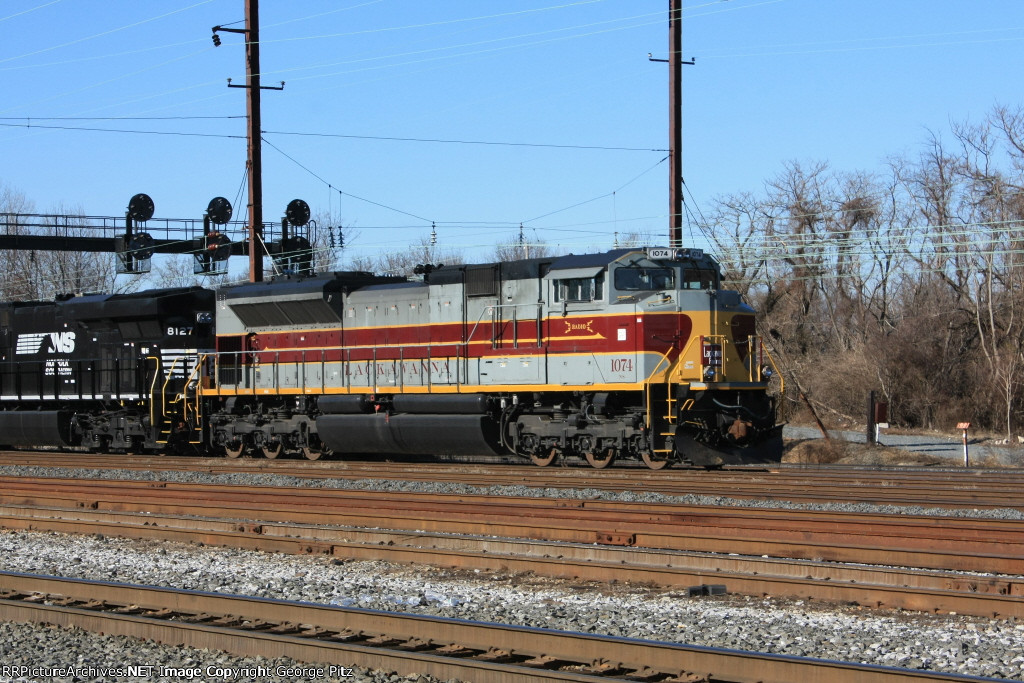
x=850 y=83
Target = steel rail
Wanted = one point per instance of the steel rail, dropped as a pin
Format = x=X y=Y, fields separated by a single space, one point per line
x=696 y=573
x=853 y=524
x=964 y=544
x=274 y=628
x=801 y=483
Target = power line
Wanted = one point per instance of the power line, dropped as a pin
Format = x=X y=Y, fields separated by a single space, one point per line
x=28 y=11
x=464 y=45
x=111 y=80
x=28 y=123
x=368 y=201
x=322 y=14
x=463 y=20
x=93 y=58
x=115 y=118
x=105 y=33
x=123 y=130
x=781 y=50
x=603 y=196
x=466 y=142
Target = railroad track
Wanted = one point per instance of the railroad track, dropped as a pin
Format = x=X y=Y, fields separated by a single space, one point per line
x=954 y=543
x=694 y=572
x=685 y=546
x=931 y=487
x=329 y=636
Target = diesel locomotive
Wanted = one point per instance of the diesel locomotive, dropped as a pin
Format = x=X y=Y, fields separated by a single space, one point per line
x=633 y=354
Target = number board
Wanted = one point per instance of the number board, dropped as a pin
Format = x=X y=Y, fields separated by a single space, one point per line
x=712 y=355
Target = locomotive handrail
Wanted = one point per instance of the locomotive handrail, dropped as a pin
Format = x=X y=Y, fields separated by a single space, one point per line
x=657 y=368
x=152 y=389
x=649 y=381
x=163 y=394
x=170 y=372
x=778 y=373
x=495 y=309
x=489 y=308
x=201 y=361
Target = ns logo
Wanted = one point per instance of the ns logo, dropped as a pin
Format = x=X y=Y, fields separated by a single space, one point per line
x=61 y=342
x=46 y=342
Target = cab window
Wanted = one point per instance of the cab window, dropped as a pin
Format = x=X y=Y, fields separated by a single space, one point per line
x=643 y=279
x=698 y=278
x=580 y=289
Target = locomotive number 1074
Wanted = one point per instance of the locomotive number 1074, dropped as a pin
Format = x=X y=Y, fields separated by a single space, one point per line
x=622 y=365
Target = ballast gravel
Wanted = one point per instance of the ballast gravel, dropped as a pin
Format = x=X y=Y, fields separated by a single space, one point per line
x=947 y=643
x=71 y=655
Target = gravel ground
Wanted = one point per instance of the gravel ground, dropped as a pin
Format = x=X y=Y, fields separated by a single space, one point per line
x=956 y=644
x=948 y=643
x=71 y=655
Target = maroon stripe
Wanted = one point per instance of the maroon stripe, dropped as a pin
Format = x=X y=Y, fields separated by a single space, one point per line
x=657 y=333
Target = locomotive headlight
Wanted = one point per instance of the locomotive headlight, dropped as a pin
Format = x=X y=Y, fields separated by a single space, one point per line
x=709 y=373
x=766 y=372
x=204 y=317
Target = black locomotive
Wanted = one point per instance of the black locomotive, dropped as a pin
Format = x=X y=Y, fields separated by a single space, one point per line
x=104 y=370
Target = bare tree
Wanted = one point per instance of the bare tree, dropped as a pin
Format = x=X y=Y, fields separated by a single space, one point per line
x=404 y=263
x=41 y=275
x=521 y=248
x=911 y=280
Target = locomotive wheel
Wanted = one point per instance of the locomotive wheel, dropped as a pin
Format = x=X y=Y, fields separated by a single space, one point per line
x=272 y=450
x=544 y=460
x=600 y=460
x=234 y=449
x=311 y=453
x=654 y=462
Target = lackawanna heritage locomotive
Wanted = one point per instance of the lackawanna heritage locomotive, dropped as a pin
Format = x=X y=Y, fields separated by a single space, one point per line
x=635 y=354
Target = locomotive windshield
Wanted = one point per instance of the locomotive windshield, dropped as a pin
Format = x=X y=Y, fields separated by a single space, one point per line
x=641 y=277
x=698 y=278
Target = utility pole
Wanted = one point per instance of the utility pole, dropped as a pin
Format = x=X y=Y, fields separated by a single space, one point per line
x=675 y=122
x=253 y=139
x=254 y=158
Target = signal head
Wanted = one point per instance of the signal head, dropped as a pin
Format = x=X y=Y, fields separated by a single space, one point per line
x=219 y=210
x=297 y=212
x=140 y=207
